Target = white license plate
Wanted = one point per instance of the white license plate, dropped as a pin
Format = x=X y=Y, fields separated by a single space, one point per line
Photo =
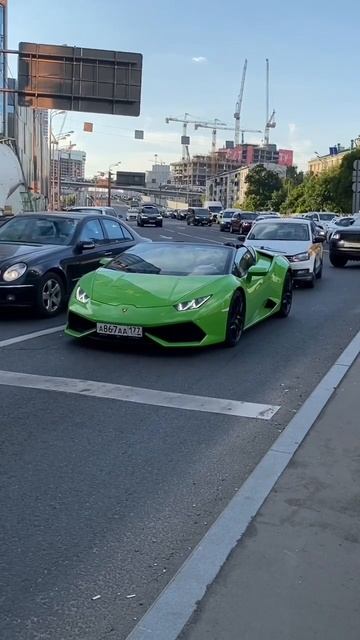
x=119 y=330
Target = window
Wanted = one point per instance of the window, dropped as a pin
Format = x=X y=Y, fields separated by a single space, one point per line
x=114 y=230
x=244 y=259
x=127 y=234
x=92 y=232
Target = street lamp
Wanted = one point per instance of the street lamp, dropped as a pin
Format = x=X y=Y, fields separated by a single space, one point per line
x=115 y=164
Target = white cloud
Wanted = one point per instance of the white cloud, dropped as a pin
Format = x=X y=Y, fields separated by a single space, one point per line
x=303 y=147
x=199 y=59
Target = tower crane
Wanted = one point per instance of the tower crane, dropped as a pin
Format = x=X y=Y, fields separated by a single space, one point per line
x=270 y=119
x=185 y=121
x=239 y=105
x=216 y=125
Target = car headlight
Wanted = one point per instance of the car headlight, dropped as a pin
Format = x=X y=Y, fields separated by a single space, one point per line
x=81 y=295
x=336 y=236
x=190 y=305
x=145 y=217
x=14 y=272
x=299 y=257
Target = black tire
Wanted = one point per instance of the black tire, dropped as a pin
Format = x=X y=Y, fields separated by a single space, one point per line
x=50 y=298
x=286 y=297
x=231 y=229
x=188 y=222
x=222 y=229
x=310 y=284
x=235 y=320
x=338 y=261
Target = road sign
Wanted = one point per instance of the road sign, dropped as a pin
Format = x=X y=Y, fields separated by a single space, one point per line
x=130 y=179
x=77 y=79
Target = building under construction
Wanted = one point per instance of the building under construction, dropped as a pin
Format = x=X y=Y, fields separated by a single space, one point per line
x=199 y=169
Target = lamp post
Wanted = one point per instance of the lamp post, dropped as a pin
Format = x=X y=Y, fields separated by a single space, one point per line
x=60 y=156
x=53 y=115
x=115 y=164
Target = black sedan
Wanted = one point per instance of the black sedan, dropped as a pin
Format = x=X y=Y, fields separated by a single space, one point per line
x=344 y=245
x=42 y=255
x=149 y=215
x=198 y=215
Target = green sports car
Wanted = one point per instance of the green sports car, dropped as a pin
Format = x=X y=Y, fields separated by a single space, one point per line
x=180 y=294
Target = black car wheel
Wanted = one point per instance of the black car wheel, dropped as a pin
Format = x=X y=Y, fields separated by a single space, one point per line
x=236 y=320
x=159 y=224
x=50 y=295
x=286 y=297
x=222 y=229
x=338 y=261
x=188 y=222
x=231 y=229
x=319 y=271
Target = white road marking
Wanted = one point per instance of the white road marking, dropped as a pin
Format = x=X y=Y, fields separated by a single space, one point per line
x=203 y=238
x=167 y=237
x=139 y=395
x=30 y=336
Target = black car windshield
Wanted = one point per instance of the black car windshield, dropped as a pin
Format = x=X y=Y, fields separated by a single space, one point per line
x=174 y=259
x=150 y=210
x=88 y=211
x=202 y=212
x=326 y=216
x=34 y=230
x=279 y=231
x=248 y=216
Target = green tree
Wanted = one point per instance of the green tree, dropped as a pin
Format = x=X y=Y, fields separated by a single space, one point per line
x=343 y=189
x=261 y=185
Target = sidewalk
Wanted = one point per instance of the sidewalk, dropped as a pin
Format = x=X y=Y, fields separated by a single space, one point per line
x=295 y=575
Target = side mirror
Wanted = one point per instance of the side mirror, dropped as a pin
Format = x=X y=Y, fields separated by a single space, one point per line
x=85 y=245
x=105 y=261
x=319 y=238
x=256 y=271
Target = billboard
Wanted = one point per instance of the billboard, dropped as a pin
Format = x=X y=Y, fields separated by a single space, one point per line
x=130 y=179
x=78 y=79
x=286 y=157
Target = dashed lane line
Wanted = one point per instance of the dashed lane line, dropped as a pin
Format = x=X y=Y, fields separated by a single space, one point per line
x=30 y=336
x=139 y=395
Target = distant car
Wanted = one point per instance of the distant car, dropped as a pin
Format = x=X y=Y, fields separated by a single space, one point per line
x=198 y=216
x=104 y=211
x=226 y=218
x=242 y=222
x=132 y=213
x=338 y=223
x=266 y=216
x=344 y=245
x=181 y=214
x=42 y=255
x=294 y=239
x=322 y=219
x=149 y=215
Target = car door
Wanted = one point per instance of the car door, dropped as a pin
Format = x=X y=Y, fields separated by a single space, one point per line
x=236 y=222
x=117 y=237
x=255 y=287
x=88 y=259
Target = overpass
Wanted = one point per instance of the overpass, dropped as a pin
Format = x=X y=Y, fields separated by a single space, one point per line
x=162 y=192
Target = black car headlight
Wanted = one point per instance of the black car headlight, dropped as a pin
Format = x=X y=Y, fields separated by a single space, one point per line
x=81 y=295
x=14 y=272
x=190 y=305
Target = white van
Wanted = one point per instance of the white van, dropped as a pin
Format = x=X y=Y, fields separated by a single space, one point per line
x=214 y=207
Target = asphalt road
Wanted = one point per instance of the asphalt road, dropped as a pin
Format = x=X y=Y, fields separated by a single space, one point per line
x=104 y=497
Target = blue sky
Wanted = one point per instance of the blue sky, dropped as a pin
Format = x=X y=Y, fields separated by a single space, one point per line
x=312 y=47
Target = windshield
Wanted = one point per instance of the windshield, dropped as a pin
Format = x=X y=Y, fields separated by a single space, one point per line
x=87 y=211
x=202 y=212
x=228 y=214
x=326 y=216
x=279 y=231
x=215 y=208
x=173 y=259
x=33 y=230
x=150 y=210
x=249 y=216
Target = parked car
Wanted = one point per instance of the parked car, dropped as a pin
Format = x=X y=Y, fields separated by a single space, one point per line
x=226 y=218
x=242 y=222
x=149 y=215
x=132 y=213
x=296 y=240
x=198 y=215
x=42 y=255
x=344 y=245
x=104 y=211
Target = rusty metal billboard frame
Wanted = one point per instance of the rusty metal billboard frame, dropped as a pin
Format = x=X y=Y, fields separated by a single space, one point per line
x=79 y=79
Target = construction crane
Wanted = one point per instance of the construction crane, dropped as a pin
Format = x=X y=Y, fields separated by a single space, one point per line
x=185 y=121
x=216 y=125
x=239 y=105
x=270 y=119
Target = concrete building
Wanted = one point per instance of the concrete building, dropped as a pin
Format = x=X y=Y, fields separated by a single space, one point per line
x=333 y=159
x=159 y=175
x=230 y=187
x=71 y=163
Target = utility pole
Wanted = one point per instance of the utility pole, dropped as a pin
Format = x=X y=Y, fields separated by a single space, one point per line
x=115 y=164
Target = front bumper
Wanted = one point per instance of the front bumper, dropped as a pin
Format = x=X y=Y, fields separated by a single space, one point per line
x=162 y=325
x=17 y=295
x=301 y=272
x=349 y=252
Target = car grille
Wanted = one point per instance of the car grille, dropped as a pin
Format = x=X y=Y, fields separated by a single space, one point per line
x=184 y=332
x=79 y=323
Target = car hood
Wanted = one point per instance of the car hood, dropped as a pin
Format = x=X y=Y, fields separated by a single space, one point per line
x=147 y=290
x=14 y=250
x=284 y=247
